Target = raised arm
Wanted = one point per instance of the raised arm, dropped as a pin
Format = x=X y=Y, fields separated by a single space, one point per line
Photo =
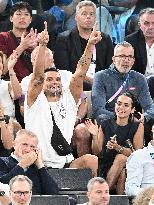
x=36 y=83
x=97 y=136
x=76 y=85
x=138 y=140
x=6 y=134
x=14 y=85
x=5 y=200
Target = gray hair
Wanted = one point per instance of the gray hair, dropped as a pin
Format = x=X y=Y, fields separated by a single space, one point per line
x=26 y=132
x=85 y=3
x=146 y=11
x=95 y=180
x=20 y=178
x=124 y=44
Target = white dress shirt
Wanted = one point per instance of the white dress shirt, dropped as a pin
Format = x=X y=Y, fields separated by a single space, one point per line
x=150 y=60
x=140 y=170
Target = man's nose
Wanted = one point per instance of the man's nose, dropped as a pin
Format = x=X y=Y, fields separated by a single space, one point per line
x=121 y=106
x=28 y=149
x=22 y=16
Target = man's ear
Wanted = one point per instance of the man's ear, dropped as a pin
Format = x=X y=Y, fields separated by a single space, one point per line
x=139 y=24
x=76 y=17
x=88 y=194
x=13 y=143
x=11 y=19
x=113 y=59
x=31 y=20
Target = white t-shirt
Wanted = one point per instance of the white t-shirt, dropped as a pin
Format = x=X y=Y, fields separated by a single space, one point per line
x=38 y=119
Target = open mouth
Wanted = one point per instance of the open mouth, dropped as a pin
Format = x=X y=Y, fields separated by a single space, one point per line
x=121 y=112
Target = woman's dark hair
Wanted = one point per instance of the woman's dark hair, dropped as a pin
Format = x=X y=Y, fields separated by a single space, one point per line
x=19 y=6
x=130 y=95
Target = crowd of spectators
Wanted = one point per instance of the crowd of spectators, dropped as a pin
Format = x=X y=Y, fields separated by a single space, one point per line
x=51 y=54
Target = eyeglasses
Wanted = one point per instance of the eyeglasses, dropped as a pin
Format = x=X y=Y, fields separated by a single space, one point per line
x=19 y=193
x=124 y=57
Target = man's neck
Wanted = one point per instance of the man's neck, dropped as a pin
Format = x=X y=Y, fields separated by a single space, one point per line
x=18 y=32
x=149 y=41
x=84 y=33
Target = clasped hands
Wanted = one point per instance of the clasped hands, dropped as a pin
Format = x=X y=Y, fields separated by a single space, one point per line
x=32 y=157
x=31 y=40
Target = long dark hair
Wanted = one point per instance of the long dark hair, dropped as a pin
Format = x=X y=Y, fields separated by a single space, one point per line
x=132 y=97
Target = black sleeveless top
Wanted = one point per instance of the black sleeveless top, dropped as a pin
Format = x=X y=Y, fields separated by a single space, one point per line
x=110 y=128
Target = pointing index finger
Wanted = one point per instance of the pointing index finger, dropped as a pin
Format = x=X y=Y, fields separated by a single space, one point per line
x=45 y=24
x=95 y=26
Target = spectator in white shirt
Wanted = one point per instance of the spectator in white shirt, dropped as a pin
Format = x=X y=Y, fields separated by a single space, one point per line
x=140 y=169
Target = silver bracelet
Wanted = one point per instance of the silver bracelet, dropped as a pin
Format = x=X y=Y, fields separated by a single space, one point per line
x=120 y=151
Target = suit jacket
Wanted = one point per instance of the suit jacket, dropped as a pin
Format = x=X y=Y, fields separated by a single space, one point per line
x=68 y=51
x=43 y=184
x=137 y=40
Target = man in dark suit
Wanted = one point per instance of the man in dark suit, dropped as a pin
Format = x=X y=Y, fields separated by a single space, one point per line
x=70 y=45
x=142 y=41
x=27 y=160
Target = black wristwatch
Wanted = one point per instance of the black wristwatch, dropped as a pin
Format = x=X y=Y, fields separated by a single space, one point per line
x=2 y=193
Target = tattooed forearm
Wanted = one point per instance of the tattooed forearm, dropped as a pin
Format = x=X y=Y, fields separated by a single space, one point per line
x=39 y=81
x=84 y=60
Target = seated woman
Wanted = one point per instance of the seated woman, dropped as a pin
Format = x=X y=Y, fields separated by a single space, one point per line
x=9 y=90
x=115 y=139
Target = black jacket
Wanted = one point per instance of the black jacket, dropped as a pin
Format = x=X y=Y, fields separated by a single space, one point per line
x=43 y=184
x=68 y=51
x=137 y=40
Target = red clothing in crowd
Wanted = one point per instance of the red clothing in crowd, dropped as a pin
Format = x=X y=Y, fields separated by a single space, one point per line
x=7 y=45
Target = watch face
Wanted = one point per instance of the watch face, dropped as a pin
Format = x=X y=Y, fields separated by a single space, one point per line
x=2 y=193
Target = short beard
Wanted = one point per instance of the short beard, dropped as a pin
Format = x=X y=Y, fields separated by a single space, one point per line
x=54 y=93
